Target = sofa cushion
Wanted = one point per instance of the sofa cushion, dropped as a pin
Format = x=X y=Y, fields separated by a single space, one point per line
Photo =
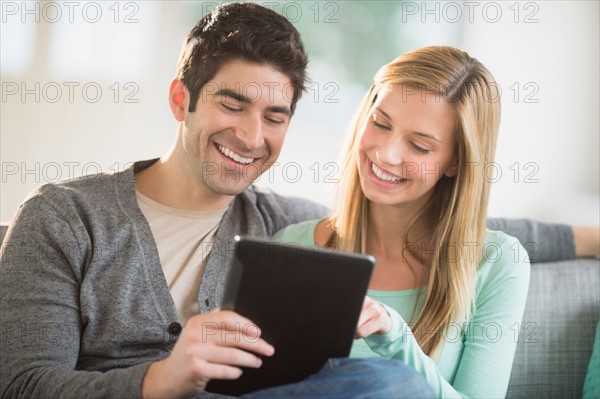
x=557 y=333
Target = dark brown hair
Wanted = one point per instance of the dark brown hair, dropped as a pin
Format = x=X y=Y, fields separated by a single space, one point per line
x=243 y=31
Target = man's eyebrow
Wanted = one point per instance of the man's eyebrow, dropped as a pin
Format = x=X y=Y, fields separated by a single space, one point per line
x=247 y=100
x=233 y=94
x=280 y=109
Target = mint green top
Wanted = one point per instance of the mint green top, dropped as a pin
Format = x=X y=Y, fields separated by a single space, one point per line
x=475 y=362
x=591 y=386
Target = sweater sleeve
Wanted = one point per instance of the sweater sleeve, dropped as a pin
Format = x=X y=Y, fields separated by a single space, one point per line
x=489 y=339
x=41 y=271
x=543 y=242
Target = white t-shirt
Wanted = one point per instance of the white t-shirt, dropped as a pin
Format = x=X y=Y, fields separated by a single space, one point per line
x=184 y=239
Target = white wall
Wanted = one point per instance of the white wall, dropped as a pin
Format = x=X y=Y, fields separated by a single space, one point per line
x=554 y=141
x=556 y=138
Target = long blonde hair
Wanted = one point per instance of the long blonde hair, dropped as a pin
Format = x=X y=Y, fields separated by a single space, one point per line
x=458 y=205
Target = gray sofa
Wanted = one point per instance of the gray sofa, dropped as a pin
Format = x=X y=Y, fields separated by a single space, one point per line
x=557 y=332
x=556 y=337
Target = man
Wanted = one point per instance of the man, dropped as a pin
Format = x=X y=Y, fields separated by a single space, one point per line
x=115 y=265
x=99 y=275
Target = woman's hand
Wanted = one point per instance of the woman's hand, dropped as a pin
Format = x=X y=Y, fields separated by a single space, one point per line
x=374 y=319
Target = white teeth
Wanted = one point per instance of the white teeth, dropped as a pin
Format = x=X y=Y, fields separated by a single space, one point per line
x=237 y=158
x=384 y=176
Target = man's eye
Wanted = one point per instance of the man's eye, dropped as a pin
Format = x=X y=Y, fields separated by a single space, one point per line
x=231 y=108
x=275 y=121
x=420 y=149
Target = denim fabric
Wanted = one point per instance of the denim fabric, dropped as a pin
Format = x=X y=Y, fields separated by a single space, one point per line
x=354 y=378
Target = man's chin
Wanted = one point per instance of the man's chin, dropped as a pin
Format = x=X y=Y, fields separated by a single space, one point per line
x=226 y=188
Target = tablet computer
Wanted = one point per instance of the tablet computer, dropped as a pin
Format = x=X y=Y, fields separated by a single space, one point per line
x=306 y=302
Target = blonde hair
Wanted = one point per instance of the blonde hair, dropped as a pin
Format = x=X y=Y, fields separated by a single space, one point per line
x=458 y=204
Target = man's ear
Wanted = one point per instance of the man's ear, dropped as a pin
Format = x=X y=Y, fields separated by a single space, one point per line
x=178 y=99
x=451 y=169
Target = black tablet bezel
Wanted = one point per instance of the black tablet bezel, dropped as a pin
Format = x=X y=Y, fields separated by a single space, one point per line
x=306 y=301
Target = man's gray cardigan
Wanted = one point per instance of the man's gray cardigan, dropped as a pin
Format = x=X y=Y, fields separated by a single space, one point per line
x=84 y=304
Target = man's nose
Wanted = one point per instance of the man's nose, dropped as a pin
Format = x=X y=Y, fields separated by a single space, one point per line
x=250 y=132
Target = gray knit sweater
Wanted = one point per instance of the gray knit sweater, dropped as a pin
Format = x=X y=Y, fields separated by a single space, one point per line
x=84 y=304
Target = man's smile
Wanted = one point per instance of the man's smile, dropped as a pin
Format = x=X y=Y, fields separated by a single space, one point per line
x=234 y=155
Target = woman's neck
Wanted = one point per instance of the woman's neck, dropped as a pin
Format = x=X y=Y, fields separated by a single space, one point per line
x=400 y=266
x=389 y=229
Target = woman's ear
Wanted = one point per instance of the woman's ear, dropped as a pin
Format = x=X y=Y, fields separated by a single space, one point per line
x=451 y=169
x=178 y=97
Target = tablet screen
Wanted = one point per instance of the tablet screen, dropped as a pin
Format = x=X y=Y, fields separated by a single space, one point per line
x=306 y=302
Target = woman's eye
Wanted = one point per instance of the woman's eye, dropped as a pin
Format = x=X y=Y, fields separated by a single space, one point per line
x=379 y=125
x=420 y=149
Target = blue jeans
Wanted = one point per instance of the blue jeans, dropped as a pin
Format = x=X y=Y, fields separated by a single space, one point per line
x=354 y=378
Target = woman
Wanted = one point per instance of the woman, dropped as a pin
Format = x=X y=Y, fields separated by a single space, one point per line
x=413 y=194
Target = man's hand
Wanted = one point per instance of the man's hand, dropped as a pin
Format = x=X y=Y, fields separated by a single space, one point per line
x=212 y=345
x=587 y=241
x=374 y=319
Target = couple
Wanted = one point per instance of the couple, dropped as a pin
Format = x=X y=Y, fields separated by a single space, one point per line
x=128 y=268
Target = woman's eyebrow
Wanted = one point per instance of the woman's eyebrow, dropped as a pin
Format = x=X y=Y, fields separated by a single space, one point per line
x=427 y=135
x=422 y=134
x=383 y=112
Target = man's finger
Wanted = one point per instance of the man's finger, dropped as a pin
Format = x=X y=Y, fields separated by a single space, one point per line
x=212 y=371
x=230 y=356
